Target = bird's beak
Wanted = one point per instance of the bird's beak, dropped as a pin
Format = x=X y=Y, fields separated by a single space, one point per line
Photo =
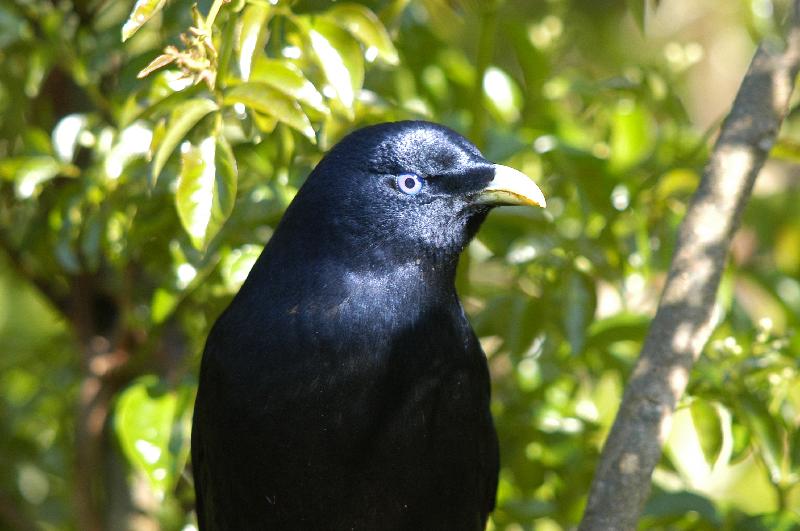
x=510 y=187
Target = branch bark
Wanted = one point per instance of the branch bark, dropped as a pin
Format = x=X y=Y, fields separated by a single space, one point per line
x=685 y=317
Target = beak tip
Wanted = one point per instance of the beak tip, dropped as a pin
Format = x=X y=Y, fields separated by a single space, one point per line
x=512 y=187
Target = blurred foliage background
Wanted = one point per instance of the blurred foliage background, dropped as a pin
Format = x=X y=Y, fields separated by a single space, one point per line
x=131 y=209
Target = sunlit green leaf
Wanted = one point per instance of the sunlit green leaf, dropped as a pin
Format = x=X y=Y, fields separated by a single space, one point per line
x=182 y=119
x=502 y=95
x=676 y=182
x=632 y=132
x=786 y=251
x=287 y=78
x=142 y=11
x=206 y=188
x=29 y=172
x=162 y=305
x=254 y=33
x=457 y=66
x=709 y=430
x=786 y=149
x=236 y=265
x=265 y=124
x=367 y=28
x=66 y=135
x=261 y=97
x=340 y=58
x=152 y=424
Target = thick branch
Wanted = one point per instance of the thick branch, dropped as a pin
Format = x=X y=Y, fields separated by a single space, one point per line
x=685 y=316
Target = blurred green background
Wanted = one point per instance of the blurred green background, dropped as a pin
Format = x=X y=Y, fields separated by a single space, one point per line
x=131 y=210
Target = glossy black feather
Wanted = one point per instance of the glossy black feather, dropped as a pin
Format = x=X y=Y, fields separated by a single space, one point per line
x=343 y=387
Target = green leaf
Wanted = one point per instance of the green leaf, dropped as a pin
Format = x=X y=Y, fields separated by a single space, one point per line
x=182 y=119
x=266 y=124
x=618 y=327
x=365 y=26
x=262 y=98
x=340 y=58
x=253 y=35
x=786 y=149
x=631 y=134
x=766 y=433
x=794 y=450
x=236 y=265
x=162 y=305
x=502 y=95
x=29 y=172
x=152 y=424
x=142 y=11
x=226 y=48
x=664 y=504
x=707 y=424
x=206 y=188
x=741 y=442
x=165 y=104
x=284 y=76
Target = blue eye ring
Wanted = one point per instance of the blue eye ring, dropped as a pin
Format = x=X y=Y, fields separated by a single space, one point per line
x=409 y=183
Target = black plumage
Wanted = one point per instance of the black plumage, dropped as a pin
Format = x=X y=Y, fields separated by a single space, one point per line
x=343 y=387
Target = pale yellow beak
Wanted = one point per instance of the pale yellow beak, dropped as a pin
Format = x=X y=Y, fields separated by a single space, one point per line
x=511 y=187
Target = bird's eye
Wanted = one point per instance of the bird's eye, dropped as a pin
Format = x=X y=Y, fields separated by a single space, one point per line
x=408 y=183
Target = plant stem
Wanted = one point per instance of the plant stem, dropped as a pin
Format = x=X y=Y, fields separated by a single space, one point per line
x=212 y=13
x=484 y=57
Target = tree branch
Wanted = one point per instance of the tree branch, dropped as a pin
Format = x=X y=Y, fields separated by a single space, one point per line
x=685 y=317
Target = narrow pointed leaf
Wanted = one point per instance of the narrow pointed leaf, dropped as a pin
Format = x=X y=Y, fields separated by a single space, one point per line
x=183 y=118
x=206 y=188
x=289 y=79
x=159 y=62
x=262 y=98
x=340 y=58
x=253 y=35
x=142 y=11
x=226 y=182
x=365 y=26
x=707 y=424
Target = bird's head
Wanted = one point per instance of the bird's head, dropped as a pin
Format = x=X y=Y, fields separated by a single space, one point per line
x=406 y=190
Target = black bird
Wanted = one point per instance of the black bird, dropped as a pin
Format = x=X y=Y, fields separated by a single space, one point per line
x=343 y=388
